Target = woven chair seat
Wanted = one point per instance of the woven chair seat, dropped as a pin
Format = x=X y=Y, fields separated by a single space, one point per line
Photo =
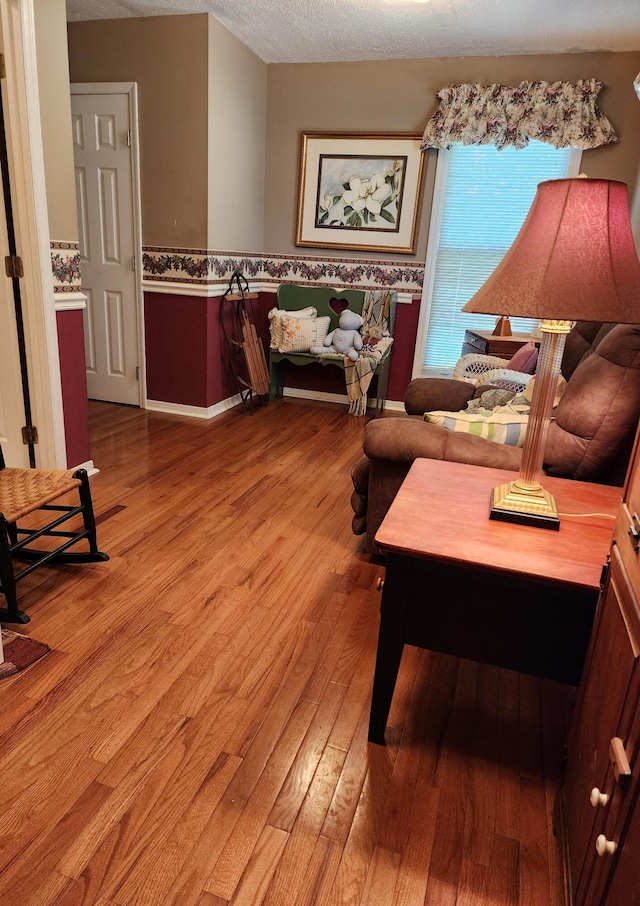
x=57 y=526
x=24 y=490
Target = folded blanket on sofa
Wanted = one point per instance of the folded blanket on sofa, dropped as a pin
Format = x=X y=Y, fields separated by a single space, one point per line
x=504 y=425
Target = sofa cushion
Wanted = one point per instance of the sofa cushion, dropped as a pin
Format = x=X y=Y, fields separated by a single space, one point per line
x=582 y=339
x=437 y=393
x=594 y=425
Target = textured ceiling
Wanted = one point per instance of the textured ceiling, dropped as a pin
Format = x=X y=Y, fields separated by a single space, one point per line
x=323 y=31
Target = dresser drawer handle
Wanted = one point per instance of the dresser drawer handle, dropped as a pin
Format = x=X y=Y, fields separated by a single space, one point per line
x=605 y=847
x=597 y=798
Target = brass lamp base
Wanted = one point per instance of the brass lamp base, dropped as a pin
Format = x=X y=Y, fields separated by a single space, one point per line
x=525 y=506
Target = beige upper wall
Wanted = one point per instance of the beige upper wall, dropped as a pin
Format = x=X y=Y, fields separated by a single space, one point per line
x=168 y=58
x=203 y=122
x=400 y=96
x=202 y=109
x=50 y=20
x=237 y=127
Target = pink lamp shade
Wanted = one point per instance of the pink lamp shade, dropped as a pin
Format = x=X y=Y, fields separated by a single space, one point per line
x=574 y=258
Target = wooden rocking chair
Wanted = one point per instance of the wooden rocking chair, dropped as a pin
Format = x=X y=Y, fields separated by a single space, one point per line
x=27 y=492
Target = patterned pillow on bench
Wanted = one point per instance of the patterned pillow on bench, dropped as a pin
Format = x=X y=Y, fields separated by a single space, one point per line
x=297 y=331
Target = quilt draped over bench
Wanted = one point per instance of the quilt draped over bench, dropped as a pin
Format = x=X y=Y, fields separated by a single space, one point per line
x=376 y=341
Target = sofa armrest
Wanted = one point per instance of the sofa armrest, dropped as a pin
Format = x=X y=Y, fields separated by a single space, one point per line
x=406 y=439
x=426 y=394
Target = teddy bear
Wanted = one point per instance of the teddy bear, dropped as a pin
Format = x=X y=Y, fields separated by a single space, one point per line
x=345 y=339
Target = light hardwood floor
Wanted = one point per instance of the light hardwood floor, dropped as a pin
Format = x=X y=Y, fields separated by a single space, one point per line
x=198 y=734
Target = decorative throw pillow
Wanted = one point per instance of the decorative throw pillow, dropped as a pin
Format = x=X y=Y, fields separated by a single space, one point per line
x=300 y=334
x=322 y=329
x=275 y=322
x=502 y=427
x=524 y=360
x=297 y=334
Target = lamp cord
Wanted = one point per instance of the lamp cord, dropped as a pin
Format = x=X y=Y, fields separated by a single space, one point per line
x=588 y=515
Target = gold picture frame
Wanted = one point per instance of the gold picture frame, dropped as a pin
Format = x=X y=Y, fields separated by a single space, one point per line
x=360 y=190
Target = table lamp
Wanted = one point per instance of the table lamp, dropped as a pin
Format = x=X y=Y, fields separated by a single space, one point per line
x=574 y=259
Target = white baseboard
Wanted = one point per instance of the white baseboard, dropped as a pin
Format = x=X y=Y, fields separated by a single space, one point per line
x=89 y=466
x=393 y=405
x=233 y=401
x=194 y=411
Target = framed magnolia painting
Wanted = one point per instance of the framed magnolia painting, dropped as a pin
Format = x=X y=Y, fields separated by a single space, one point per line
x=360 y=191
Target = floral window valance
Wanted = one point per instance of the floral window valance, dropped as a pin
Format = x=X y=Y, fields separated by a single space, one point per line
x=561 y=114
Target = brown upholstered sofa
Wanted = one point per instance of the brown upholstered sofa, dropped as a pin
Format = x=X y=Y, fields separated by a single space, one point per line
x=589 y=439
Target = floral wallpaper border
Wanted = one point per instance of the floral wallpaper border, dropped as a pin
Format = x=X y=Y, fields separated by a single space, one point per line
x=65 y=267
x=214 y=269
x=211 y=269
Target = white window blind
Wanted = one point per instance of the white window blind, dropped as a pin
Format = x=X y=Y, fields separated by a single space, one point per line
x=486 y=195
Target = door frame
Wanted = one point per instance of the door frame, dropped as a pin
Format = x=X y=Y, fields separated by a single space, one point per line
x=12 y=388
x=130 y=89
x=31 y=224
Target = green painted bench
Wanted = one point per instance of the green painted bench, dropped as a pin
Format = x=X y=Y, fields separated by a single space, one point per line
x=292 y=297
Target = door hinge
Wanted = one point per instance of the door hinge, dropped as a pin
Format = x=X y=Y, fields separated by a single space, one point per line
x=137 y=372
x=128 y=138
x=634 y=531
x=13 y=266
x=29 y=435
x=3 y=68
x=133 y=263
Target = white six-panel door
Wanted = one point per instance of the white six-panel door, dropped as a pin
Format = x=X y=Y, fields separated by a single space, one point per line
x=104 y=193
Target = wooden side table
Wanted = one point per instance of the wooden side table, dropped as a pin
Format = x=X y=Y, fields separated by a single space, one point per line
x=515 y=596
x=485 y=342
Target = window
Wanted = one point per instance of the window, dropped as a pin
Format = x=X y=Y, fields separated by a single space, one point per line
x=481 y=199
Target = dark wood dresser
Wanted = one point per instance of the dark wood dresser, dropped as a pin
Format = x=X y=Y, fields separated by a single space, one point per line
x=600 y=795
x=485 y=342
